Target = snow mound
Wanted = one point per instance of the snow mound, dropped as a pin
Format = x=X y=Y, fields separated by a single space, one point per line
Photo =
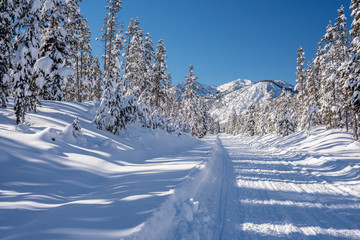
x=89 y=185
x=325 y=154
x=190 y=212
x=47 y=135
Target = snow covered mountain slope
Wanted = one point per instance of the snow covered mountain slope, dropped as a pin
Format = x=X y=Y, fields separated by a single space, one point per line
x=239 y=96
x=204 y=90
x=236 y=95
x=234 y=85
x=99 y=186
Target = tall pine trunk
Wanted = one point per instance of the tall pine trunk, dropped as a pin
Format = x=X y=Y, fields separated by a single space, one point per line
x=347 y=120
x=355 y=127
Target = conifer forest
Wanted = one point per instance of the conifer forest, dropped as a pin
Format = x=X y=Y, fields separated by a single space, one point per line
x=111 y=146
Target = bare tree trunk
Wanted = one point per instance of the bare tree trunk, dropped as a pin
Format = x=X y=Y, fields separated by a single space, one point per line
x=81 y=75
x=347 y=120
x=356 y=136
x=77 y=73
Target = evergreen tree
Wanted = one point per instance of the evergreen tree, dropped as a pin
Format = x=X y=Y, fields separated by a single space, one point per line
x=191 y=86
x=159 y=79
x=26 y=54
x=231 y=123
x=215 y=128
x=354 y=65
x=96 y=78
x=328 y=79
x=149 y=54
x=111 y=96
x=317 y=70
x=76 y=128
x=7 y=30
x=203 y=119
x=192 y=115
x=129 y=34
x=49 y=68
x=115 y=63
x=342 y=44
x=117 y=120
x=270 y=112
x=311 y=116
x=83 y=84
x=335 y=53
x=135 y=67
x=110 y=28
x=249 y=119
x=73 y=23
x=263 y=123
x=300 y=79
x=240 y=126
x=286 y=125
x=102 y=114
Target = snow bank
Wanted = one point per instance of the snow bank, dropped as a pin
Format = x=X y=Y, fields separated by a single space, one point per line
x=191 y=212
x=95 y=185
x=318 y=140
x=331 y=156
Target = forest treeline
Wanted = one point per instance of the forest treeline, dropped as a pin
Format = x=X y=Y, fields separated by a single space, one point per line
x=326 y=93
x=45 y=54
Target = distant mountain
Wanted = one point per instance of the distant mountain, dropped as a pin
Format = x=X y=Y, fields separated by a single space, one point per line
x=234 y=85
x=239 y=96
x=204 y=90
x=236 y=95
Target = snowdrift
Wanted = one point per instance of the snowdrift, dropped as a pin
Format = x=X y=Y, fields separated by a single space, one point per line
x=329 y=155
x=192 y=211
x=98 y=186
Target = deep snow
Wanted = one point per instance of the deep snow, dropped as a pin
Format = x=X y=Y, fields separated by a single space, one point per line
x=101 y=186
x=147 y=184
x=296 y=187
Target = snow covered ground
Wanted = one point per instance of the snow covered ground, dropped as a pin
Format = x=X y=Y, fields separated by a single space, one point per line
x=148 y=184
x=53 y=186
x=294 y=187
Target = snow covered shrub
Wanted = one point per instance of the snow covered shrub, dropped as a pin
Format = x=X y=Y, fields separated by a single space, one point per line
x=76 y=128
x=73 y=133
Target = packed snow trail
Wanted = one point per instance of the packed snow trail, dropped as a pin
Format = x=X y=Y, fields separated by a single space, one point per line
x=278 y=194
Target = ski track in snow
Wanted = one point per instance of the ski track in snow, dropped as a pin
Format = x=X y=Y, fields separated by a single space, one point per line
x=278 y=195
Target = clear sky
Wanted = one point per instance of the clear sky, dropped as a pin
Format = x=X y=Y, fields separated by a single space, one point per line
x=228 y=39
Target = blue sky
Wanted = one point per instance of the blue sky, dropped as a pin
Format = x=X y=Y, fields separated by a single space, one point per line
x=227 y=39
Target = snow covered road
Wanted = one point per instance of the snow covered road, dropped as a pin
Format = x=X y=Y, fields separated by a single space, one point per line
x=276 y=193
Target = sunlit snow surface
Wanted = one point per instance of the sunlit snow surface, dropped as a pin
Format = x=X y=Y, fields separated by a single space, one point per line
x=147 y=184
x=100 y=187
x=296 y=187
